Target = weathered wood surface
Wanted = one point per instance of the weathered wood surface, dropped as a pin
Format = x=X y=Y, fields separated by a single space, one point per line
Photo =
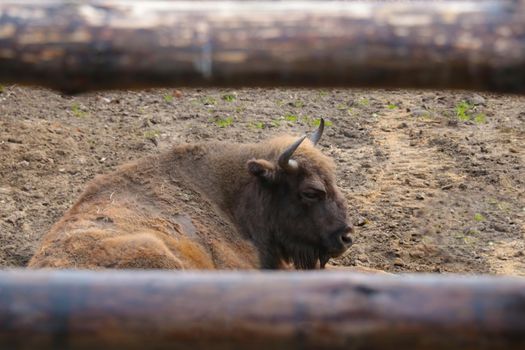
x=316 y=310
x=77 y=46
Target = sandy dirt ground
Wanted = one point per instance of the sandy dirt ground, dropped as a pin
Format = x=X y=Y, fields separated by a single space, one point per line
x=434 y=180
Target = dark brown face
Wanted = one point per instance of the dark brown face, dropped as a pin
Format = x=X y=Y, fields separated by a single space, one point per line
x=312 y=213
x=303 y=211
x=293 y=211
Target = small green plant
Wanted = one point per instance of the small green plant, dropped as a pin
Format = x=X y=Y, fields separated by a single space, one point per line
x=314 y=122
x=392 y=106
x=364 y=101
x=298 y=104
x=470 y=239
x=341 y=106
x=501 y=205
x=258 y=125
x=467 y=236
x=168 y=98
x=504 y=206
x=280 y=103
x=479 y=217
x=492 y=201
x=465 y=111
x=317 y=122
x=77 y=111
x=151 y=134
x=240 y=109
x=480 y=118
x=224 y=122
x=462 y=110
x=1 y=88
x=459 y=235
x=208 y=101
x=323 y=93
x=276 y=123
x=471 y=232
x=291 y=118
x=229 y=97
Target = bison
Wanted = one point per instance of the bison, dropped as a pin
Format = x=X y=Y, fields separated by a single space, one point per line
x=216 y=205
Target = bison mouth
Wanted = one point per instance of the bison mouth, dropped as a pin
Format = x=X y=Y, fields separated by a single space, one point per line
x=305 y=257
x=309 y=257
x=323 y=259
x=336 y=245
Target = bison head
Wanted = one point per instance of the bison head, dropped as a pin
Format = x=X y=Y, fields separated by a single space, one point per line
x=294 y=211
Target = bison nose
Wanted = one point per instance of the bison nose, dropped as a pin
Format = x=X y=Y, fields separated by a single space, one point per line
x=345 y=236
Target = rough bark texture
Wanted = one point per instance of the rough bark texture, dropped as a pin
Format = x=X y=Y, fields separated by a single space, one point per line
x=320 y=310
x=97 y=44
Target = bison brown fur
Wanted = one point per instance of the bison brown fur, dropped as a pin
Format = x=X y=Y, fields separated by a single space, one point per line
x=215 y=205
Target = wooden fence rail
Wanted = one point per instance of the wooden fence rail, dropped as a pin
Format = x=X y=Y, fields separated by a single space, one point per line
x=254 y=310
x=85 y=45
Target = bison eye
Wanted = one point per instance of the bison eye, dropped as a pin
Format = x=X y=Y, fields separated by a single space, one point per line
x=313 y=194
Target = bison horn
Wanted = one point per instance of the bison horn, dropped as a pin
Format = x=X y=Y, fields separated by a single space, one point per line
x=316 y=136
x=284 y=158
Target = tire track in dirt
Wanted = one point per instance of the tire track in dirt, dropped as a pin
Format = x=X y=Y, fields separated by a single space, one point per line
x=404 y=186
x=422 y=191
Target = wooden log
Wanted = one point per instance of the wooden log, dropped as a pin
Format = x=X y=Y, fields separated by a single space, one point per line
x=254 y=310
x=103 y=44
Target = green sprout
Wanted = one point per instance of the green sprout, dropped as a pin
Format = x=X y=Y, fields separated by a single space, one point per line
x=229 y=97
x=317 y=122
x=151 y=134
x=480 y=118
x=290 y=118
x=168 y=98
x=392 y=106
x=209 y=101
x=462 y=109
x=298 y=104
x=77 y=111
x=224 y=122
x=479 y=217
x=364 y=101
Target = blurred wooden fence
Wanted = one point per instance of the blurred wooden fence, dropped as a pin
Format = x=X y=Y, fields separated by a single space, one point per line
x=77 y=46
x=254 y=310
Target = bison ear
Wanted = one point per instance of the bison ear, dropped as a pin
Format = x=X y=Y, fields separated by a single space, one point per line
x=262 y=169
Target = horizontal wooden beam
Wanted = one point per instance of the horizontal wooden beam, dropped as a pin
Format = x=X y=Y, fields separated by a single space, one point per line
x=86 y=45
x=254 y=310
